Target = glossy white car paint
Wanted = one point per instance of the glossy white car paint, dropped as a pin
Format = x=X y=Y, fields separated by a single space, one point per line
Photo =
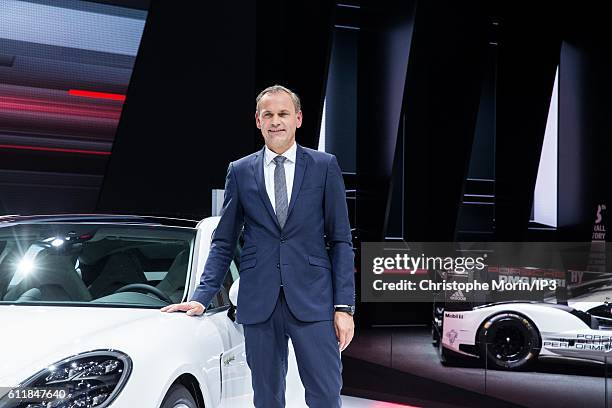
x=162 y=346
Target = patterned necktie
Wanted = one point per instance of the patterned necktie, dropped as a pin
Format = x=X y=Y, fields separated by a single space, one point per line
x=280 y=190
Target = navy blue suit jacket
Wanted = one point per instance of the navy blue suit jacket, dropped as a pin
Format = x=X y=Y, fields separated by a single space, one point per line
x=312 y=256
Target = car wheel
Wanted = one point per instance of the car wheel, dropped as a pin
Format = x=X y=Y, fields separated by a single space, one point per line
x=509 y=341
x=178 y=397
x=435 y=336
x=436 y=325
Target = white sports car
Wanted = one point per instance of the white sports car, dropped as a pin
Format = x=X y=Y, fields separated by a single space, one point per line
x=81 y=326
x=512 y=335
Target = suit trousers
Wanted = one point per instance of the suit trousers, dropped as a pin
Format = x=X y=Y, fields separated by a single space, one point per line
x=316 y=351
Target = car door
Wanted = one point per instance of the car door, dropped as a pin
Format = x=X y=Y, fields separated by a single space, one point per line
x=236 y=389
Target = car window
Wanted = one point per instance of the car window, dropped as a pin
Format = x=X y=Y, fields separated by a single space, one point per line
x=95 y=264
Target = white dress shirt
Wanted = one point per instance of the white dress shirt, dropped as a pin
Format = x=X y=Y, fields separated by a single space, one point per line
x=269 y=167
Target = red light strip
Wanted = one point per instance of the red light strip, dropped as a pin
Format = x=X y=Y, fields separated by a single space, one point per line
x=55 y=108
x=96 y=95
x=54 y=149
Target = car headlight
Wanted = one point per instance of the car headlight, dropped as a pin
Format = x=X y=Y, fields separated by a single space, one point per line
x=92 y=379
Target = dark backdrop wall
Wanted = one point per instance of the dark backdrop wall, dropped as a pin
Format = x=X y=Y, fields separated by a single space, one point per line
x=441 y=100
x=293 y=48
x=188 y=111
x=527 y=62
x=384 y=50
x=190 y=106
x=585 y=129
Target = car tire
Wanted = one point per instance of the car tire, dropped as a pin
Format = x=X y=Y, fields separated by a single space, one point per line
x=436 y=329
x=509 y=341
x=435 y=336
x=178 y=397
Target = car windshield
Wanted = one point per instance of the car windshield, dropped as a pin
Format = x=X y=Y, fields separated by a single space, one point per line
x=93 y=264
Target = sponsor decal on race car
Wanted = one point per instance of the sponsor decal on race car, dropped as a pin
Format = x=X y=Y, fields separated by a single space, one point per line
x=581 y=342
x=452 y=336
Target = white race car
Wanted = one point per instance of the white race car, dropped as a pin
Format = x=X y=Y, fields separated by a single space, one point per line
x=81 y=326
x=512 y=335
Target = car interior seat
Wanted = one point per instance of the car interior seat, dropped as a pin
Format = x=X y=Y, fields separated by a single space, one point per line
x=55 y=278
x=7 y=267
x=173 y=283
x=121 y=269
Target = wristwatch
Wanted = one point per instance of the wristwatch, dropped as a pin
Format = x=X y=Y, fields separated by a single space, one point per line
x=346 y=309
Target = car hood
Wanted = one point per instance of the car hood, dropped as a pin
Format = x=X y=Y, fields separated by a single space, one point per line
x=34 y=337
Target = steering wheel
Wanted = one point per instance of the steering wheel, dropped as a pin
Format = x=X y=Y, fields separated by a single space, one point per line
x=144 y=288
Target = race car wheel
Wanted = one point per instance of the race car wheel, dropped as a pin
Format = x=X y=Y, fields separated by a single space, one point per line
x=178 y=397
x=436 y=325
x=509 y=341
x=435 y=336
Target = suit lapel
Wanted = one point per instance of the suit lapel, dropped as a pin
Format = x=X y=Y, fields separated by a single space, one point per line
x=298 y=177
x=261 y=184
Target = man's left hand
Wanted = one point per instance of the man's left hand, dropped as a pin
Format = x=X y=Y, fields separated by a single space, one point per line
x=345 y=329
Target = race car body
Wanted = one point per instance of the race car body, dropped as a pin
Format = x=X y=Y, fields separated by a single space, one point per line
x=511 y=335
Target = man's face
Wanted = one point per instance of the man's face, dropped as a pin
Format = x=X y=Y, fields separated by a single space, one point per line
x=278 y=120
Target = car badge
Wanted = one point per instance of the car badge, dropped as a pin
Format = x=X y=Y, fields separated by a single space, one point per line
x=228 y=359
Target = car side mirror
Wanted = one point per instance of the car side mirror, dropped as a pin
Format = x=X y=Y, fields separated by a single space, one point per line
x=233 y=297
x=233 y=293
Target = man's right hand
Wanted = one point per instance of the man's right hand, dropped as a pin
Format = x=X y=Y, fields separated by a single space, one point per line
x=192 y=308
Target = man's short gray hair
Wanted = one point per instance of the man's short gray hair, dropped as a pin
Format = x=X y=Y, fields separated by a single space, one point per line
x=276 y=89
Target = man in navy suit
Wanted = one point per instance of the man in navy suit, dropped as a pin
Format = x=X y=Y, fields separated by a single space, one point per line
x=296 y=266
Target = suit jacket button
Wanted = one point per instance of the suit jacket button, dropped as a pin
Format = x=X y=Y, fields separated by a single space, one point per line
x=278 y=265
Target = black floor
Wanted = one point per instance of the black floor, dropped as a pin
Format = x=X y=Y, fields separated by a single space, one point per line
x=401 y=365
